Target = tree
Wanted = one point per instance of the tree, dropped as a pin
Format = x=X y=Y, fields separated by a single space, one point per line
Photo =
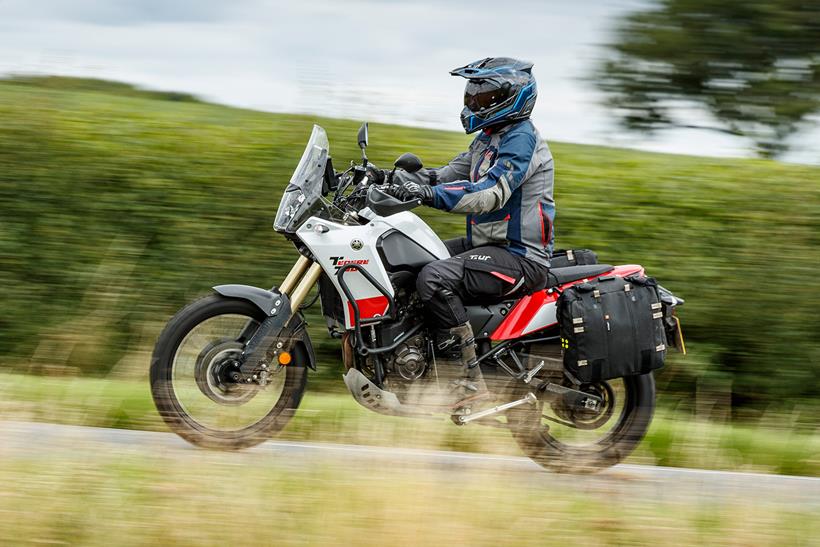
x=753 y=66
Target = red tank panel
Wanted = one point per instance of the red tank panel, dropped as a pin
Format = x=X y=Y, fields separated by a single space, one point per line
x=369 y=307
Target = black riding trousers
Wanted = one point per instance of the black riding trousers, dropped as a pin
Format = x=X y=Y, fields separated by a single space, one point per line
x=481 y=275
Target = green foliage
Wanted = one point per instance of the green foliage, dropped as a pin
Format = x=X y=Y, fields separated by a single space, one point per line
x=115 y=211
x=753 y=65
x=70 y=83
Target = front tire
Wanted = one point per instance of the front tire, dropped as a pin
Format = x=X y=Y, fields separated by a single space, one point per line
x=536 y=441
x=212 y=328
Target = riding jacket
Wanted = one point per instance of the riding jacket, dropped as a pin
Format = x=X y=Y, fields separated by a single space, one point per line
x=504 y=183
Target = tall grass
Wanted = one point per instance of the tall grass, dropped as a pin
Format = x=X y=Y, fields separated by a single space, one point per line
x=89 y=494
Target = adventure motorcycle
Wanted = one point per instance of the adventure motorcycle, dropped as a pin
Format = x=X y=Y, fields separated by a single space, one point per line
x=230 y=369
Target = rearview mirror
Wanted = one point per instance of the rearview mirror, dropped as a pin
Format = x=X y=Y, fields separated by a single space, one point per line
x=363 y=136
x=409 y=162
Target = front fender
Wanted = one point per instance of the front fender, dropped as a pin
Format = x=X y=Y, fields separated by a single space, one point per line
x=303 y=339
x=264 y=299
x=277 y=307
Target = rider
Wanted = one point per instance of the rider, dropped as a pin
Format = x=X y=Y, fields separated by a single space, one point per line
x=503 y=183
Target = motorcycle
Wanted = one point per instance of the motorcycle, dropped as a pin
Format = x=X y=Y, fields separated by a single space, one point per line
x=229 y=370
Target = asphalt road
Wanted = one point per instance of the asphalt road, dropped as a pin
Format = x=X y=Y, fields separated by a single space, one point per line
x=26 y=439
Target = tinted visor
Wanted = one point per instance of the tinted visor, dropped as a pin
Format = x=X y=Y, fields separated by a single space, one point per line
x=482 y=94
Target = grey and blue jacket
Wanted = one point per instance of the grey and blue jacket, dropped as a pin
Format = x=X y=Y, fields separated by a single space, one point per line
x=504 y=183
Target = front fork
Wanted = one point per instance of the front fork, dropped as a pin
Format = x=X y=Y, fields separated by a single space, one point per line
x=289 y=296
x=299 y=281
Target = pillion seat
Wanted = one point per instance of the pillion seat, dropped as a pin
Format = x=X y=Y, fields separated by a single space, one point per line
x=559 y=276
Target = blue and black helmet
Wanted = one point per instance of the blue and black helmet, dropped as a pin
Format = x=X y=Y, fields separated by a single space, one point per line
x=499 y=90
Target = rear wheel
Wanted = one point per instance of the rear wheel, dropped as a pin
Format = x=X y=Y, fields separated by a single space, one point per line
x=580 y=440
x=194 y=377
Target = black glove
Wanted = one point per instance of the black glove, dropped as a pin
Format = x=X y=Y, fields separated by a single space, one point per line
x=409 y=190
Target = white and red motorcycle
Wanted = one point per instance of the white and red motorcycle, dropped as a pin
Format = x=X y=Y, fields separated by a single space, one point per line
x=230 y=369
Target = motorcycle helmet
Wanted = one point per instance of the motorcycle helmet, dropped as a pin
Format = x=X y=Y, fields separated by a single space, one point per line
x=499 y=90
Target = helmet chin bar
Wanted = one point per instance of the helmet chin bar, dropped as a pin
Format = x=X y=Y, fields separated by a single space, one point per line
x=516 y=108
x=499 y=90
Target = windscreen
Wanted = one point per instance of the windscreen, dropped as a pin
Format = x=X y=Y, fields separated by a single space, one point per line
x=305 y=188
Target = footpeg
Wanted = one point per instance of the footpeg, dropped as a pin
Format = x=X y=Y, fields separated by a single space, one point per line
x=528 y=399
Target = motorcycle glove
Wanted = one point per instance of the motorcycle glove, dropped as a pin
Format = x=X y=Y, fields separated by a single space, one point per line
x=410 y=190
x=423 y=176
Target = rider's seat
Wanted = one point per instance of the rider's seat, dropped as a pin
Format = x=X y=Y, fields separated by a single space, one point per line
x=559 y=276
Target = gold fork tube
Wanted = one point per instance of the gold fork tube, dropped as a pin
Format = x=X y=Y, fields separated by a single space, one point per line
x=293 y=276
x=304 y=286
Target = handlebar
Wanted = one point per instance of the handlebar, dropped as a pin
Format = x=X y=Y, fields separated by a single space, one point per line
x=384 y=204
x=368 y=193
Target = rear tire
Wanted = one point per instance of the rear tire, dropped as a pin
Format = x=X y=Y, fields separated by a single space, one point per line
x=633 y=423
x=173 y=411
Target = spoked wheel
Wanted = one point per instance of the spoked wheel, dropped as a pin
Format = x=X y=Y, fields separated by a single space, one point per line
x=196 y=384
x=585 y=440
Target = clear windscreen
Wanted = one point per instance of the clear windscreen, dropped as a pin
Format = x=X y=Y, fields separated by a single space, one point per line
x=305 y=188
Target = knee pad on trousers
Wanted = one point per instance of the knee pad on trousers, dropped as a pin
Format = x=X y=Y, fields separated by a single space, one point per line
x=447 y=310
x=426 y=283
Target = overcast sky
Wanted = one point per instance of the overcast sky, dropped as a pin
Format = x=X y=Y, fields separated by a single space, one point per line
x=382 y=60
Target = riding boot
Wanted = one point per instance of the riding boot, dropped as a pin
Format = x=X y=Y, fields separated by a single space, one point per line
x=455 y=351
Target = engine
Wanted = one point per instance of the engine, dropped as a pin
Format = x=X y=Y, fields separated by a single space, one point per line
x=409 y=365
x=409 y=361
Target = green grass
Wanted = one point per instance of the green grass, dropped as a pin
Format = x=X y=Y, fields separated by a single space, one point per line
x=131 y=496
x=675 y=439
x=116 y=208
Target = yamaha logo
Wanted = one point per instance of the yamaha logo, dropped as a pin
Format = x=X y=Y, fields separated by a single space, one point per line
x=356 y=244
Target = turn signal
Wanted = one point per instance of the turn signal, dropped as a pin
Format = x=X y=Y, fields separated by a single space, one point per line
x=284 y=358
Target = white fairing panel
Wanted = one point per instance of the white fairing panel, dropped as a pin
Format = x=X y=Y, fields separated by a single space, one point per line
x=335 y=245
x=544 y=317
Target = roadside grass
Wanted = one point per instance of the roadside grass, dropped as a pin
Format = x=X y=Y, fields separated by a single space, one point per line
x=675 y=439
x=83 y=495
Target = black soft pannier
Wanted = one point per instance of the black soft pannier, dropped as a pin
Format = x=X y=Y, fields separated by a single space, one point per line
x=612 y=327
x=563 y=258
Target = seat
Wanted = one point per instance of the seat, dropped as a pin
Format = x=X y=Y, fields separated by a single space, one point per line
x=559 y=276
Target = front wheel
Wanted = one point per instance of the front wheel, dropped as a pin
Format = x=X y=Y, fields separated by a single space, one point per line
x=193 y=379
x=566 y=440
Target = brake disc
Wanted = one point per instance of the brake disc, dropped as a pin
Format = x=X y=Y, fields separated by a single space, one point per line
x=217 y=374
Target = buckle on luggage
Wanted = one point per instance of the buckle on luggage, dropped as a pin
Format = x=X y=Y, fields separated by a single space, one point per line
x=577 y=320
x=596 y=293
x=660 y=347
x=657 y=315
x=582 y=363
x=656 y=305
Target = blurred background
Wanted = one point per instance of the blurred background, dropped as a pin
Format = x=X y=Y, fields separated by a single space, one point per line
x=144 y=147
